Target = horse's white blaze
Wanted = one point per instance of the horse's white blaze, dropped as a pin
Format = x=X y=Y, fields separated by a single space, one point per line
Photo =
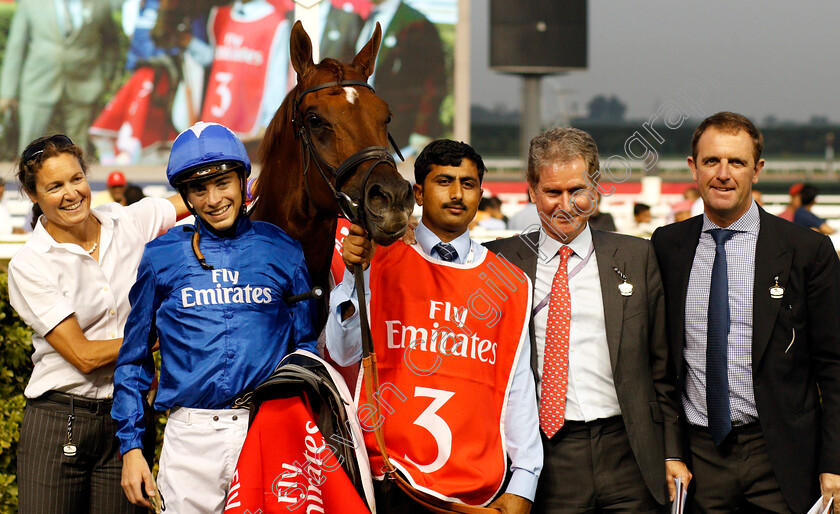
x=351 y=94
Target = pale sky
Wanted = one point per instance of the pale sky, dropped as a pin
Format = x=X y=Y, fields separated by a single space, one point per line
x=758 y=58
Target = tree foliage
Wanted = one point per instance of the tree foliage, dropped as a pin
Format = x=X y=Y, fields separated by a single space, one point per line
x=605 y=109
x=15 y=369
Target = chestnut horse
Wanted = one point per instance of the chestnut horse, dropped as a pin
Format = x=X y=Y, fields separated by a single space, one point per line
x=325 y=153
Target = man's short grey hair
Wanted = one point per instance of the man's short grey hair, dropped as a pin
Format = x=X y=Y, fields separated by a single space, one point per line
x=561 y=145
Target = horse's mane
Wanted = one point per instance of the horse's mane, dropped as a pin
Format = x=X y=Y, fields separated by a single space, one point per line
x=277 y=129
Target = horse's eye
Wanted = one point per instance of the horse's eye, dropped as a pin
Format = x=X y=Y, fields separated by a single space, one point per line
x=314 y=121
x=388 y=121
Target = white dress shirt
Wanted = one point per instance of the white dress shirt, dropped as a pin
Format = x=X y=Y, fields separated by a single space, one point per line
x=50 y=281
x=590 y=393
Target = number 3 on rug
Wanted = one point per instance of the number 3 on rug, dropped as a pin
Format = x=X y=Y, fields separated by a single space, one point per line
x=429 y=420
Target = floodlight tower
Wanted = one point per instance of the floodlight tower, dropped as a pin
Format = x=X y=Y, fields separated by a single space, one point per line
x=532 y=39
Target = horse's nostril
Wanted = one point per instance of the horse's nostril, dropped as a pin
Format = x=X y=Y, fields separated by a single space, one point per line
x=377 y=199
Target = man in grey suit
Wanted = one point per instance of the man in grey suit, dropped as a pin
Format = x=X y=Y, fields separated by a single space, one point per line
x=608 y=409
x=60 y=57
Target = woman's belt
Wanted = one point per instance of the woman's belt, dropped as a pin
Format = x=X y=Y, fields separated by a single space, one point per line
x=91 y=405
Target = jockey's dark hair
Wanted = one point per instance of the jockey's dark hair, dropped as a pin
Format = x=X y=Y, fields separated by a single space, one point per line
x=446 y=152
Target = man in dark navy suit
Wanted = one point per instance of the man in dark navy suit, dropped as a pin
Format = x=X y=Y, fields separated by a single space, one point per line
x=752 y=308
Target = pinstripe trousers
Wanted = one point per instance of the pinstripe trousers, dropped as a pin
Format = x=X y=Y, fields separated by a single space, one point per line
x=50 y=482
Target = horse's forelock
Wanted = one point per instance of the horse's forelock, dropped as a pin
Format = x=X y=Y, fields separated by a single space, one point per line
x=336 y=67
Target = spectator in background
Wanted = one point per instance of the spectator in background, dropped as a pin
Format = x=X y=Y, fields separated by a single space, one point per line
x=339 y=31
x=601 y=220
x=641 y=213
x=794 y=204
x=681 y=214
x=526 y=219
x=59 y=58
x=115 y=190
x=495 y=209
x=803 y=215
x=133 y=194
x=485 y=218
x=684 y=209
x=643 y=220
x=693 y=194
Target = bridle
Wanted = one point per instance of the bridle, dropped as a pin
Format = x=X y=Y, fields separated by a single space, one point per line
x=352 y=209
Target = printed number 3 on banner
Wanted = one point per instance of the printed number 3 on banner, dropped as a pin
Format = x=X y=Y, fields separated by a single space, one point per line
x=225 y=96
x=429 y=420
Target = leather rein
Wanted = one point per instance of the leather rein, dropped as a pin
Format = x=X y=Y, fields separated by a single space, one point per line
x=350 y=208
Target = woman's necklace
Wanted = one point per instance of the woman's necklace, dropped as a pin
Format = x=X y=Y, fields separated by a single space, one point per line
x=92 y=248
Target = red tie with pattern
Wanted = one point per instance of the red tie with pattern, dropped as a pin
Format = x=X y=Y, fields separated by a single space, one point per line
x=556 y=360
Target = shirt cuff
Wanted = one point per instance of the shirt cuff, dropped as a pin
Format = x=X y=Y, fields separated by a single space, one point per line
x=523 y=483
x=130 y=444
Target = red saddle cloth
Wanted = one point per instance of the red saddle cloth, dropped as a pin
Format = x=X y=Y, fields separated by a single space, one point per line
x=287 y=466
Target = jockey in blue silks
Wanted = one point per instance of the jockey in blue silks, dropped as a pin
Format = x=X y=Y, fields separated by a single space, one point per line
x=212 y=294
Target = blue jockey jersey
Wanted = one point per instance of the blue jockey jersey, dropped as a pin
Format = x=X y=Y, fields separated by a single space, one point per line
x=222 y=331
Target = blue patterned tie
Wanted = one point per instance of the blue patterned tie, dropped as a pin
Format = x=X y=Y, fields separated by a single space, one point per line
x=446 y=251
x=717 y=381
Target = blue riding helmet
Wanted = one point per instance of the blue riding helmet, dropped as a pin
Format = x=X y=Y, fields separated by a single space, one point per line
x=201 y=145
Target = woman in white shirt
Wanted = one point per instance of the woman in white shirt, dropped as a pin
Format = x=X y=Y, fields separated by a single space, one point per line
x=70 y=283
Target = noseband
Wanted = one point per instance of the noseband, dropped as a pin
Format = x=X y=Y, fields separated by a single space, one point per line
x=352 y=209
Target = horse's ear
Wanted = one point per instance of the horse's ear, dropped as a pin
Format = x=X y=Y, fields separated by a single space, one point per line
x=366 y=58
x=301 y=50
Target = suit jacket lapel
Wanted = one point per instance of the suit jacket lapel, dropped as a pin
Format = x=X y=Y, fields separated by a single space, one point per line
x=772 y=259
x=609 y=257
x=526 y=255
x=526 y=259
x=679 y=272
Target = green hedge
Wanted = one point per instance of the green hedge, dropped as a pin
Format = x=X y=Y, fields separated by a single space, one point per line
x=15 y=369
